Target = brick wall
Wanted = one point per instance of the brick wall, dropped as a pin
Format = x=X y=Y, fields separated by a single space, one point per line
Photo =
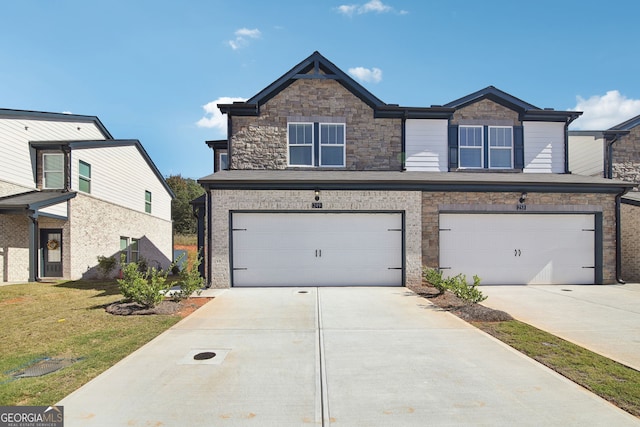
x=14 y=248
x=96 y=227
x=431 y=203
x=300 y=200
x=261 y=142
x=630 y=228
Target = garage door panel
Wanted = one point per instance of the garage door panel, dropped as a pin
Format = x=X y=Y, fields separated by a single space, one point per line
x=316 y=249
x=517 y=249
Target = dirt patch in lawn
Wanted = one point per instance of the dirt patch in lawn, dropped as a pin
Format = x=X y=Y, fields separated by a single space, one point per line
x=173 y=308
x=464 y=310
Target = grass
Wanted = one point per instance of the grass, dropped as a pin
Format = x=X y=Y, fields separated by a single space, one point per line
x=608 y=379
x=65 y=320
x=185 y=239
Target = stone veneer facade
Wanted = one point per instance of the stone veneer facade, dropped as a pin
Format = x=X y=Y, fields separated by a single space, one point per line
x=225 y=201
x=485 y=112
x=626 y=157
x=261 y=142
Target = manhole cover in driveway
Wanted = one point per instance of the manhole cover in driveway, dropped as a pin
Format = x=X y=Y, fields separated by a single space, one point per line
x=204 y=356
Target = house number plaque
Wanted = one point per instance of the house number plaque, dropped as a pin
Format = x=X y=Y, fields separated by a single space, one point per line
x=316 y=205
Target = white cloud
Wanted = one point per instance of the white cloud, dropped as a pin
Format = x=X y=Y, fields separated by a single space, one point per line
x=603 y=112
x=375 y=6
x=213 y=117
x=373 y=75
x=243 y=37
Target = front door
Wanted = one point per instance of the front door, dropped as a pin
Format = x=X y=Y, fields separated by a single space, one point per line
x=51 y=249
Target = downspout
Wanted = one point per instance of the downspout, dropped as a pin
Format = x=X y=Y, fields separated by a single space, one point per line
x=609 y=171
x=33 y=246
x=209 y=232
x=403 y=144
x=618 y=238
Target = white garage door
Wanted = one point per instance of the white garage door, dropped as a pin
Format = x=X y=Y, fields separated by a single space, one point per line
x=519 y=249
x=317 y=249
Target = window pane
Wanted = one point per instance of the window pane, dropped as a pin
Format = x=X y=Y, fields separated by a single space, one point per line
x=53 y=162
x=470 y=136
x=84 y=185
x=53 y=180
x=500 y=158
x=332 y=134
x=147 y=201
x=300 y=133
x=470 y=158
x=224 y=165
x=332 y=156
x=500 y=137
x=84 y=169
x=300 y=155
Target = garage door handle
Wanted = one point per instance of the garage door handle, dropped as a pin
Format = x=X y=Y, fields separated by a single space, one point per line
x=318 y=253
x=238 y=268
x=588 y=267
x=394 y=268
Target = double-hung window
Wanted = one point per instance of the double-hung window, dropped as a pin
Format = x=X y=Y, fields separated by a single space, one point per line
x=316 y=144
x=147 y=201
x=500 y=147
x=332 y=144
x=130 y=249
x=471 y=146
x=53 y=170
x=301 y=144
x=84 y=176
x=224 y=161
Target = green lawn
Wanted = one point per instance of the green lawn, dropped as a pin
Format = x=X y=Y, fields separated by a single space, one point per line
x=65 y=320
x=610 y=380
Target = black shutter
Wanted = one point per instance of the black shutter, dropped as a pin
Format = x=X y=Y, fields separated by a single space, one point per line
x=518 y=147
x=453 y=147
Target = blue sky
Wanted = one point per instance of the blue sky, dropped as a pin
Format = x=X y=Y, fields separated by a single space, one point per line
x=152 y=70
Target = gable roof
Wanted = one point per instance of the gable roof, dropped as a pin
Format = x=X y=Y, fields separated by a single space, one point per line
x=628 y=125
x=77 y=145
x=525 y=110
x=317 y=66
x=58 y=117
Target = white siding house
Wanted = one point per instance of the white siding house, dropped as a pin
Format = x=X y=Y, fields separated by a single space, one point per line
x=69 y=193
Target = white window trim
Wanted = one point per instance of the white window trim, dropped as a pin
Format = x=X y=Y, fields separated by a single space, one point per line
x=481 y=148
x=148 y=203
x=344 y=145
x=44 y=171
x=289 y=145
x=511 y=148
x=220 y=168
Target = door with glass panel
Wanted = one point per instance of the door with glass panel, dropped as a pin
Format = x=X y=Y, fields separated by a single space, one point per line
x=51 y=250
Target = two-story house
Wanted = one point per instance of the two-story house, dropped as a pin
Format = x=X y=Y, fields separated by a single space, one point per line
x=326 y=185
x=69 y=193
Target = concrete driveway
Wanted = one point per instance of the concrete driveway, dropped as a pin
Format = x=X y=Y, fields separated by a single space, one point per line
x=331 y=356
x=604 y=319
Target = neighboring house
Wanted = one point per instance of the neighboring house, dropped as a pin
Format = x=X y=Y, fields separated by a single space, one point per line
x=619 y=150
x=69 y=193
x=327 y=186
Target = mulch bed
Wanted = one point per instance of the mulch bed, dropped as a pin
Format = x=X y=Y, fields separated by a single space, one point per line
x=167 y=307
x=466 y=311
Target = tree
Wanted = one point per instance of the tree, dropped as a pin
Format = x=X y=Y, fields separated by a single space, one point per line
x=185 y=189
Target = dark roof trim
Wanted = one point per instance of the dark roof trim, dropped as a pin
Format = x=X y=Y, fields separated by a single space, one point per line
x=393 y=111
x=78 y=145
x=218 y=144
x=628 y=125
x=59 y=117
x=416 y=184
x=526 y=111
x=34 y=200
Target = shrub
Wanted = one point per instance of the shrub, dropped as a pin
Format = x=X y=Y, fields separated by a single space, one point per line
x=106 y=265
x=144 y=288
x=189 y=280
x=457 y=285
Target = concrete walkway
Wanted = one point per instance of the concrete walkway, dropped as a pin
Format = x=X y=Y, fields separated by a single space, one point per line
x=604 y=319
x=331 y=356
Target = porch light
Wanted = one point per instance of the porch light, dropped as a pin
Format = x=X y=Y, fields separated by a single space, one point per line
x=317 y=194
x=523 y=197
